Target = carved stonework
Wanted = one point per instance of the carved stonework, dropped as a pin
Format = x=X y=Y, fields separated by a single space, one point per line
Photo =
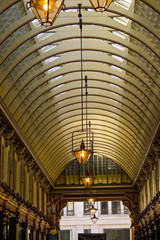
x=156 y=149
x=20 y=152
x=7 y=134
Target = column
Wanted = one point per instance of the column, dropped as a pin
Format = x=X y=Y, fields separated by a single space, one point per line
x=45 y=203
x=34 y=193
x=19 y=156
x=17 y=229
x=27 y=184
x=27 y=232
x=2 y=128
x=5 y=226
x=34 y=233
x=58 y=218
x=7 y=136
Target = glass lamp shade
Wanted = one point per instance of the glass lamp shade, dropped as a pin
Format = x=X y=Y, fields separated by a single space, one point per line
x=91 y=200
x=88 y=181
x=82 y=154
x=46 y=11
x=100 y=5
x=94 y=219
x=92 y=210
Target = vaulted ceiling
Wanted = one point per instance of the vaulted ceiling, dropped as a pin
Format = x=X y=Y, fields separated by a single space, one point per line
x=41 y=79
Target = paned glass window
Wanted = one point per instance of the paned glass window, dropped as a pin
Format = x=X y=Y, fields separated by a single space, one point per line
x=104 y=207
x=65 y=234
x=116 y=208
x=70 y=209
x=86 y=207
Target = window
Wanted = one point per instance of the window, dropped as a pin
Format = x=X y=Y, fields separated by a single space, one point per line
x=104 y=207
x=116 y=209
x=117 y=234
x=87 y=230
x=86 y=207
x=65 y=234
x=70 y=209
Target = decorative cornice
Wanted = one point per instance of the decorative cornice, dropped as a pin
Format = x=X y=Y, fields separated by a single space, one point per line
x=9 y=119
x=150 y=209
x=149 y=146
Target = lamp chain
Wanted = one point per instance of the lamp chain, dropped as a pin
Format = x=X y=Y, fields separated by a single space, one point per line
x=80 y=26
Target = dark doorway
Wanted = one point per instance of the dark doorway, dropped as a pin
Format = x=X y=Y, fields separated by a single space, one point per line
x=92 y=236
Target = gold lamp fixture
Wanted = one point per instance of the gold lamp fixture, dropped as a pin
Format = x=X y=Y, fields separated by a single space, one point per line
x=83 y=154
x=91 y=200
x=92 y=210
x=88 y=180
x=46 y=11
x=100 y=5
x=94 y=219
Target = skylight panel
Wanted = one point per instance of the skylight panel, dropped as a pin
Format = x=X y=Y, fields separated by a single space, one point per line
x=113 y=76
x=71 y=10
x=120 y=20
x=114 y=85
x=56 y=78
x=60 y=85
x=36 y=23
x=123 y=3
x=120 y=5
x=60 y=94
x=48 y=48
x=51 y=59
x=118 y=58
x=119 y=34
x=43 y=36
x=120 y=47
x=53 y=69
x=115 y=67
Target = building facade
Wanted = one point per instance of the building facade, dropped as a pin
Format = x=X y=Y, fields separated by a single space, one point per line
x=113 y=220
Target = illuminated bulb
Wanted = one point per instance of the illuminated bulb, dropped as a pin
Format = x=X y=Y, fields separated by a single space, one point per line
x=82 y=154
x=45 y=6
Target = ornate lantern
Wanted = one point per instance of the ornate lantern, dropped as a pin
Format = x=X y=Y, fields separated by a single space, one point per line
x=46 y=11
x=100 y=5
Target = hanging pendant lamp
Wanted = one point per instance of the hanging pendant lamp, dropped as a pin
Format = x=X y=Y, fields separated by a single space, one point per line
x=91 y=200
x=94 y=219
x=100 y=5
x=92 y=210
x=46 y=11
x=82 y=154
x=88 y=180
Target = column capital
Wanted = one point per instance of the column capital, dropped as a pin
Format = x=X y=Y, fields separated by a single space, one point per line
x=156 y=149
x=20 y=150
x=8 y=134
